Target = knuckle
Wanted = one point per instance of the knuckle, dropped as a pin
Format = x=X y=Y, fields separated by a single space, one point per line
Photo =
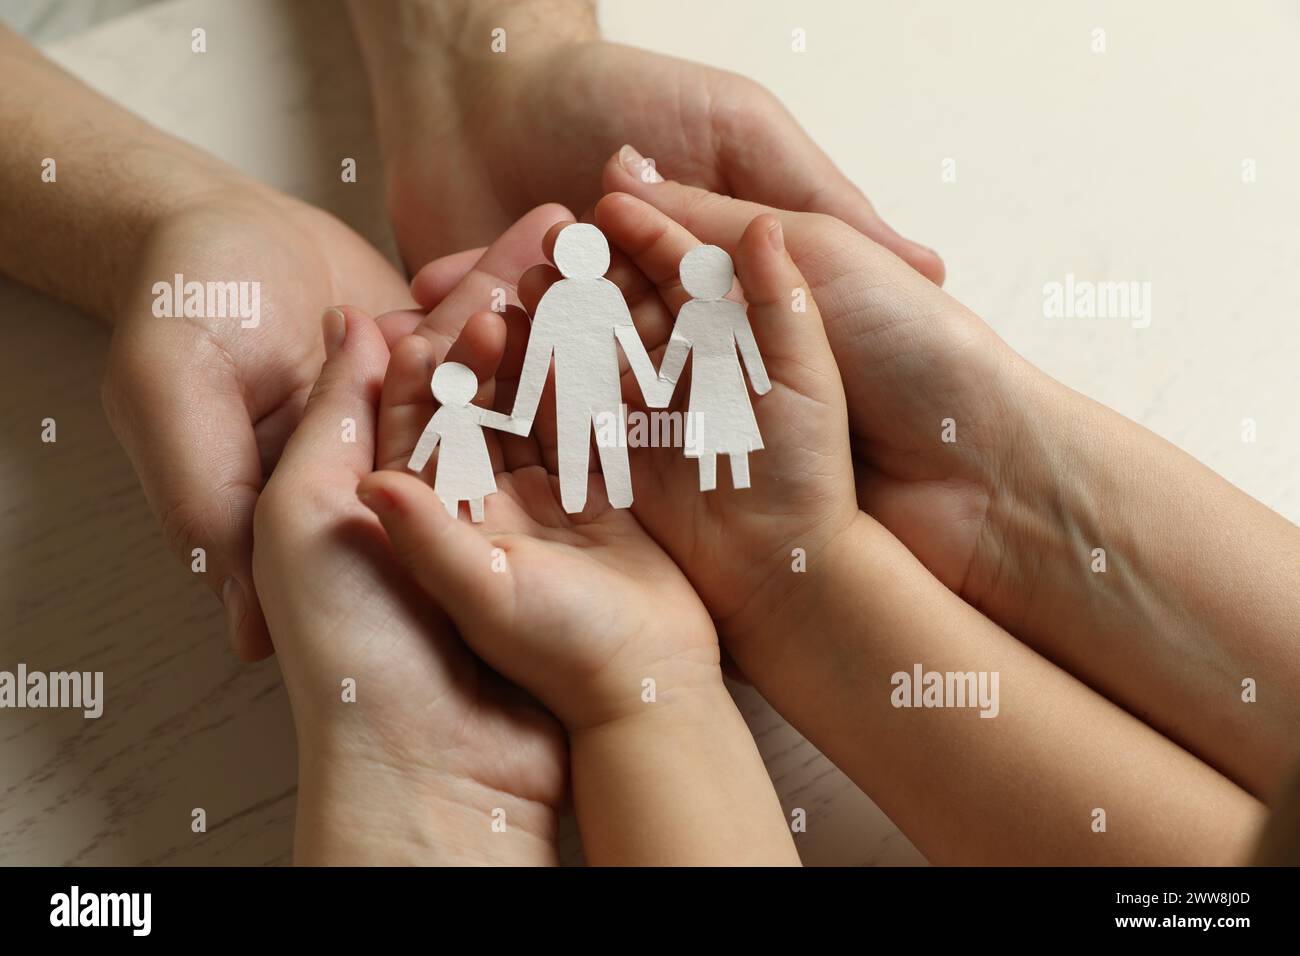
x=291 y=505
x=185 y=525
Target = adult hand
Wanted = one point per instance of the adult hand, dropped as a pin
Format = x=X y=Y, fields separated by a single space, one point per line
x=203 y=405
x=201 y=399
x=472 y=137
x=1003 y=482
x=408 y=746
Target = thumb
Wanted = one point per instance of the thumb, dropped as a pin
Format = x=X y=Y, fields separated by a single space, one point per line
x=436 y=279
x=793 y=172
x=787 y=324
x=337 y=430
x=456 y=564
x=178 y=411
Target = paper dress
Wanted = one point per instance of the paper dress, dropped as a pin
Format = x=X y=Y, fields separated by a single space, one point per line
x=464 y=470
x=712 y=329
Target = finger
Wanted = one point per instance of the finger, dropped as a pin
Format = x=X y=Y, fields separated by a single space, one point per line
x=653 y=241
x=786 y=323
x=337 y=431
x=710 y=217
x=651 y=313
x=479 y=347
x=449 y=558
x=405 y=402
x=397 y=325
x=549 y=240
x=496 y=274
x=534 y=283
x=721 y=221
x=436 y=279
x=517 y=451
x=781 y=168
x=178 y=411
x=775 y=162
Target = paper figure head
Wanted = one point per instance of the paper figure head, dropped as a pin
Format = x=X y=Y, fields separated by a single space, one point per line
x=454 y=384
x=581 y=252
x=706 y=272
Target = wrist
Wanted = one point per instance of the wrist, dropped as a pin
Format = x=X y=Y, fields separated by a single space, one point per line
x=792 y=613
x=682 y=703
x=645 y=694
x=359 y=809
x=429 y=61
x=531 y=28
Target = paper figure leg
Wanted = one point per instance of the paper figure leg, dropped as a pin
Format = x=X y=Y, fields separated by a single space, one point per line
x=708 y=471
x=452 y=505
x=476 y=510
x=740 y=470
x=573 y=441
x=617 y=470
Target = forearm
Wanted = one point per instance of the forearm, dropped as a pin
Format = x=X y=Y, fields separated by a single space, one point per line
x=679 y=784
x=423 y=56
x=114 y=176
x=358 y=812
x=1197 y=596
x=1019 y=787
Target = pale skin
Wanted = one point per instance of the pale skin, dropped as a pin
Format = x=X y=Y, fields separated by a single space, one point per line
x=413 y=770
x=1005 y=532
x=582 y=610
x=473 y=138
x=1197 y=595
x=133 y=205
x=433 y=744
x=821 y=645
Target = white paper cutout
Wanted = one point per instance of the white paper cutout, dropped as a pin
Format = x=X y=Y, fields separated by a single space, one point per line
x=464 y=471
x=711 y=329
x=580 y=322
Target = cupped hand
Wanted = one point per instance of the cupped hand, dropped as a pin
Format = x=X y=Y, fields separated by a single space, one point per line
x=918 y=369
x=402 y=732
x=578 y=609
x=736 y=545
x=204 y=404
x=531 y=127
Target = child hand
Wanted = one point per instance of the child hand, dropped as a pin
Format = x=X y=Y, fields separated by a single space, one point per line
x=736 y=546
x=578 y=609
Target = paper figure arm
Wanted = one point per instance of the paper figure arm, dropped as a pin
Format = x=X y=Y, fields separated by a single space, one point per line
x=750 y=354
x=490 y=419
x=652 y=388
x=424 y=448
x=537 y=362
x=679 y=346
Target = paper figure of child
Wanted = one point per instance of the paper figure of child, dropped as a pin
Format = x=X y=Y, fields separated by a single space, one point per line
x=464 y=470
x=582 y=320
x=711 y=328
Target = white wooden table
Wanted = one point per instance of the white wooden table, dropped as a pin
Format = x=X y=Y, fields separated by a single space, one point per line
x=1122 y=166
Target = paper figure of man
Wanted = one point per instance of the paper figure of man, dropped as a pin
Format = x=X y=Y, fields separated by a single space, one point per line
x=581 y=321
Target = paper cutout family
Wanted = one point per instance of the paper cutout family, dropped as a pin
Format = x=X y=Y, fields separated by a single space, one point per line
x=578 y=323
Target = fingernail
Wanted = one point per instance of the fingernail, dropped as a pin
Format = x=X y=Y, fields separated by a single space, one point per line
x=334 y=327
x=232 y=596
x=638 y=166
x=776 y=236
x=376 y=499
